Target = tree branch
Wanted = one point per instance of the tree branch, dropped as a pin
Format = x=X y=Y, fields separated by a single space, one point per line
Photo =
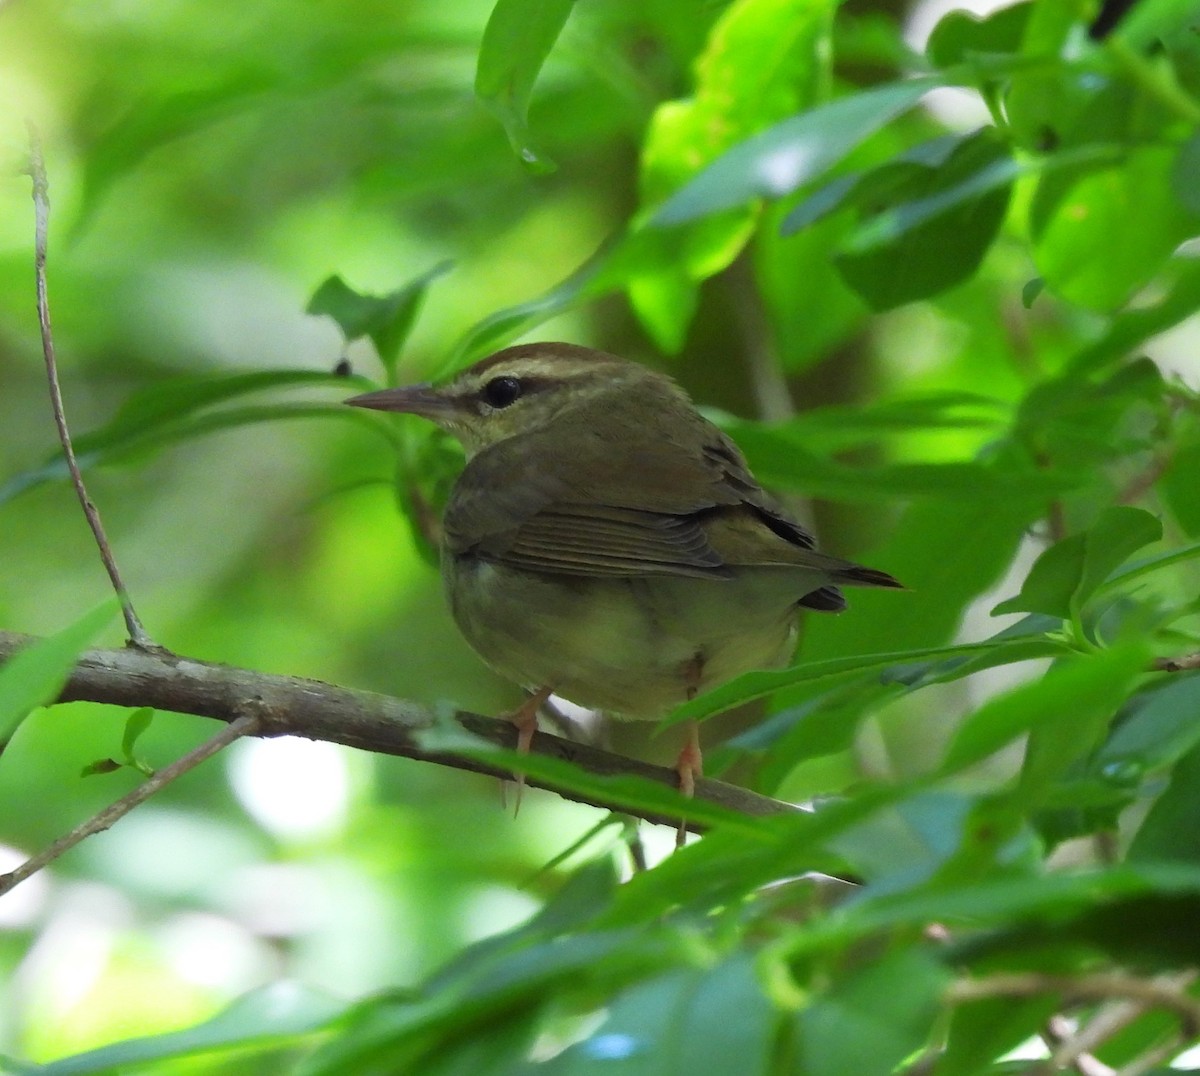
x=1168 y=993
x=287 y=705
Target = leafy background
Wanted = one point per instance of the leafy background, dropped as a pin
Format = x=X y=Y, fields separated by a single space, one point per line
x=930 y=268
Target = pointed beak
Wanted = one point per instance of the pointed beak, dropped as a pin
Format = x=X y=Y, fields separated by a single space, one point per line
x=422 y=400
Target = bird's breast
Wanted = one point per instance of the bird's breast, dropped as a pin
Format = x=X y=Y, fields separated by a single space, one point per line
x=635 y=647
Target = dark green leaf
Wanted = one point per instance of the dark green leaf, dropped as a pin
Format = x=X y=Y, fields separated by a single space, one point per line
x=1180 y=487
x=101 y=765
x=904 y=843
x=516 y=41
x=1031 y=291
x=1171 y=831
x=1159 y=730
x=1073 y=697
x=956 y=210
x=876 y=1018
x=982 y=1031
x=1185 y=176
x=681 y=1023
x=35 y=676
x=791 y=153
x=1056 y=743
x=386 y=319
x=1053 y=898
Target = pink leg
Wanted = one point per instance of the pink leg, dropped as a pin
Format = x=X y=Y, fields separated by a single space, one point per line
x=690 y=763
x=525 y=719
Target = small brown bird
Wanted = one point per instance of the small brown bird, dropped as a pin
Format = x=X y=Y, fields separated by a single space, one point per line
x=607 y=543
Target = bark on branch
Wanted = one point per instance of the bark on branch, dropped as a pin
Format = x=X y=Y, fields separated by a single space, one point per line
x=287 y=705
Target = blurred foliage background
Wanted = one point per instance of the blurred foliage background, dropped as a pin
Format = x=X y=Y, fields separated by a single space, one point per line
x=959 y=332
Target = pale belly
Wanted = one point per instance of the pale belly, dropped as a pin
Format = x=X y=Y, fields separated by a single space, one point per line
x=632 y=647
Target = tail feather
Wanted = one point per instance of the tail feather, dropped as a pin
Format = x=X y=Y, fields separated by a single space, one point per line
x=824 y=600
x=857 y=575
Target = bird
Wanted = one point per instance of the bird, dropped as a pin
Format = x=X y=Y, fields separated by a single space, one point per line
x=607 y=543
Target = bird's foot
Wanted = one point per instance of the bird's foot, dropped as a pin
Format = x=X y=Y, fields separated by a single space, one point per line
x=689 y=766
x=524 y=717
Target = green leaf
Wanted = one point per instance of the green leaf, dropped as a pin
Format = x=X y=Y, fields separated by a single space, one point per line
x=680 y=1023
x=956 y=209
x=1160 y=729
x=1181 y=490
x=1131 y=328
x=1051 y=898
x=35 y=676
x=1185 y=175
x=1171 y=831
x=791 y=153
x=903 y=844
x=599 y=274
x=874 y=1019
x=763 y=60
x=495 y=981
x=277 y=1014
x=107 y=445
x=960 y=36
x=1072 y=698
x=386 y=319
x=1067 y=574
x=1057 y=741
x=754 y=685
x=982 y=1031
x=137 y=723
x=1078 y=219
x=783 y=458
x=633 y=792
x=516 y=41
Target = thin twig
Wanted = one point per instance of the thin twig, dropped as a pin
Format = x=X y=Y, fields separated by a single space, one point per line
x=41 y=206
x=246 y=725
x=1163 y=993
x=1058 y=1035
x=1181 y=664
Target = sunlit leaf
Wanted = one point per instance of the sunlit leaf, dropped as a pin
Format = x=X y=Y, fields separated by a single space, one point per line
x=278 y=1014
x=791 y=153
x=1077 y=219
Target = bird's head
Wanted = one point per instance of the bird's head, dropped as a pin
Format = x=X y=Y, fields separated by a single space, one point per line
x=515 y=391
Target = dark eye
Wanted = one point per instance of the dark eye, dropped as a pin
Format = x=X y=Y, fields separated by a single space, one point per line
x=502 y=391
